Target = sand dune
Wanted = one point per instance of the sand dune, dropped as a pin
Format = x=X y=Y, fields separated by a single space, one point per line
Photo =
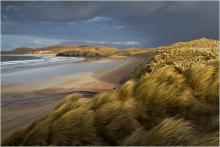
x=23 y=103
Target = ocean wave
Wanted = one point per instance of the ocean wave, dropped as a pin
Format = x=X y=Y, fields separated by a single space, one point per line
x=43 y=60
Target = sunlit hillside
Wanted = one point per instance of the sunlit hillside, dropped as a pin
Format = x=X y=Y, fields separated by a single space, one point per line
x=171 y=100
x=66 y=49
x=134 y=51
x=80 y=51
x=181 y=55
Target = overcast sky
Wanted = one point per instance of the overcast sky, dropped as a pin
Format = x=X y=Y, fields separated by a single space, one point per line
x=118 y=24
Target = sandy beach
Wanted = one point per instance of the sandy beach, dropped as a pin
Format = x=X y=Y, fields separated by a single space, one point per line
x=24 y=102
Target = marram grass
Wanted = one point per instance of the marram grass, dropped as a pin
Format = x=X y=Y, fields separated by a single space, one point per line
x=173 y=102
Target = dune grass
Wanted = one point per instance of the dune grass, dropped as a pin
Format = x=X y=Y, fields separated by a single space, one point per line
x=163 y=134
x=181 y=56
x=134 y=51
x=168 y=105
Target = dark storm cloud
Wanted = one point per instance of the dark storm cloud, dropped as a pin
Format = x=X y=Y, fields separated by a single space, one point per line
x=54 y=11
x=148 y=23
x=70 y=11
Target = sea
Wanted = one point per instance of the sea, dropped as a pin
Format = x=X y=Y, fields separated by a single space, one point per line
x=13 y=61
x=30 y=68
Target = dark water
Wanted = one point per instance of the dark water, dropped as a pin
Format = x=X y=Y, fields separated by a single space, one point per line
x=5 y=58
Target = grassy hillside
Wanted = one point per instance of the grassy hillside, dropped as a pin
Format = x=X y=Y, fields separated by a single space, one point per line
x=19 y=51
x=66 y=49
x=181 y=56
x=173 y=100
x=80 y=51
x=134 y=51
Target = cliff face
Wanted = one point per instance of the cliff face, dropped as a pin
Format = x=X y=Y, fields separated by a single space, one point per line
x=164 y=104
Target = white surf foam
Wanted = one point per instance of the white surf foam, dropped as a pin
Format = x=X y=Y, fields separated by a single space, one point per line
x=43 y=60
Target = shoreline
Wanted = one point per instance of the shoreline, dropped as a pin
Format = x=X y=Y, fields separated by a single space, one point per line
x=76 y=60
x=33 y=102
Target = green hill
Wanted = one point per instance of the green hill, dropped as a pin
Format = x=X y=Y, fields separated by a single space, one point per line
x=172 y=100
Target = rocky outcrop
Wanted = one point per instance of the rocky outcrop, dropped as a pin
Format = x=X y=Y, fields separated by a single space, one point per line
x=82 y=54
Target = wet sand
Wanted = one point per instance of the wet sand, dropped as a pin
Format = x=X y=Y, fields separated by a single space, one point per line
x=24 y=103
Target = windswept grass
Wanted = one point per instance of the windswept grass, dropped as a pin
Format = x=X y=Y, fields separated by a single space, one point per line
x=163 y=134
x=181 y=56
x=134 y=51
x=204 y=81
x=165 y=105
